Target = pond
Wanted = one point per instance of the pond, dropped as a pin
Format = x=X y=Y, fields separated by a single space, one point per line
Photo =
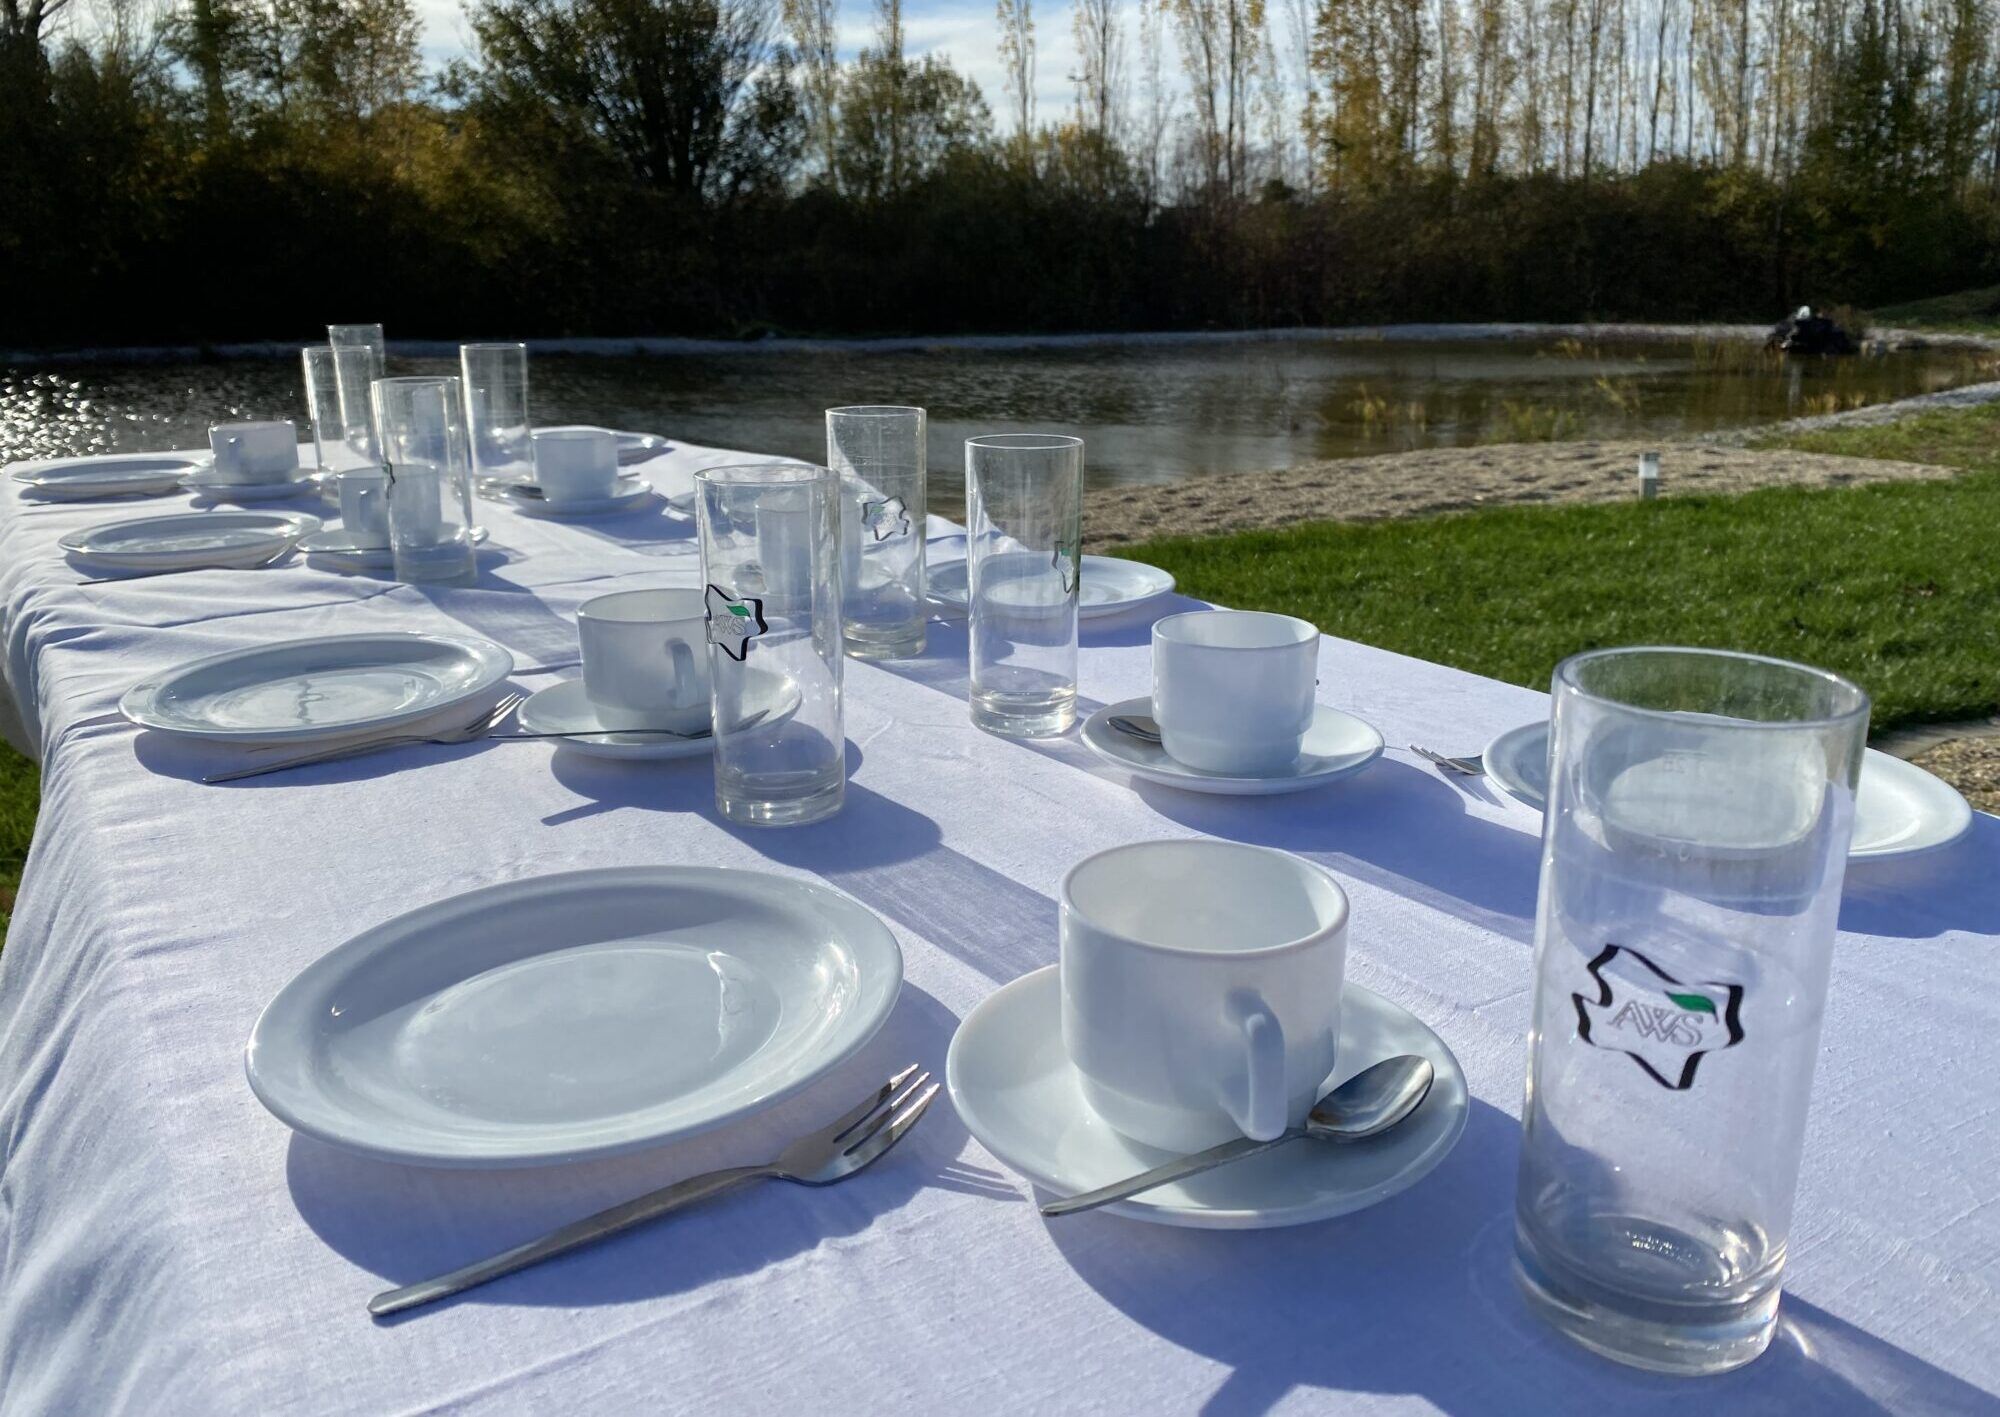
x=1153 y=410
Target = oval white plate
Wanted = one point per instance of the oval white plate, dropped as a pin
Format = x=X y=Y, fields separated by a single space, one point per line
x=336 y=546
x=1337 y=745
x=204 y=483
x=299 y=691
x=1899 y=810
x=188 y=539
x=1017 y=1091
x=629 y=491
x=133 y=475
x=632 y=447
x=1109 y=585
x=565 y=708
x=572 y=1016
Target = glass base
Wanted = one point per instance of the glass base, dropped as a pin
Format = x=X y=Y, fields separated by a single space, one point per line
x=792 y=810
x=903 y=646
x=1690 y=1339
x=1024 y=715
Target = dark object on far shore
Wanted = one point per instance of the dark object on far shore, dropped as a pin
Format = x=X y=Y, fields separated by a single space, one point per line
x=1806 y=333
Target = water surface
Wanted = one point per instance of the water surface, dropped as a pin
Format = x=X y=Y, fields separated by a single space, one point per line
x=1149 y=412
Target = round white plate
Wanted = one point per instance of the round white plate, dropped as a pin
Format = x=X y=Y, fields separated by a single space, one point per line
x=189 y=539
x=1109 y=585
x=629 y=491
x=299 y=691
x=204 y=483
x=1016 y=1090
x=139 y=474
x=565 y=708
x=1337 y=745
x=632 y=447
x=336 y=546
x=1899 y=810
x=573 y=1016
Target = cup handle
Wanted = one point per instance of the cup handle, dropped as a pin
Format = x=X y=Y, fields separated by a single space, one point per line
x=1264 y=1105
x=682 y=656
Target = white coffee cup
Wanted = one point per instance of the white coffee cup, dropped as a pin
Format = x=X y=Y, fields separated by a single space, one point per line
x=645 y=659
x=576 y=464
x=1201 y=988
x=1233 y=689
x=364 y=505
x=254 y=452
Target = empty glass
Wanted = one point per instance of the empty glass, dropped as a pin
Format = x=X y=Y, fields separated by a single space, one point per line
x=1024 y=526
x=1699 y=809
x=496 y=411
x=359 y=359
x=420 y=426
x=335 y=450
x=877 y=451
x=769 y=560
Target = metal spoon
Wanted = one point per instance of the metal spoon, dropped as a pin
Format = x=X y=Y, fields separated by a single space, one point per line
x=1137 y=725
x=1367 y=1104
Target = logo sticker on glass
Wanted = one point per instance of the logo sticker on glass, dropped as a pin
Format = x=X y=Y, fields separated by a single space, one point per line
x=1663 y=1025
x=733 y=623
x=1066 y=562
x=886 y=519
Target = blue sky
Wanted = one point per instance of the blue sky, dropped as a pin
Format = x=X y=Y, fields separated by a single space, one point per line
x=964 y=30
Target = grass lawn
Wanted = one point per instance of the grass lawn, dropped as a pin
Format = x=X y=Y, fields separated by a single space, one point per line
x=1966 y=311
x=20 y=786
x=1897 y=586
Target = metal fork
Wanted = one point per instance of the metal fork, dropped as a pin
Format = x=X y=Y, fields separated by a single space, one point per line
x=1464 y=767
x=478 y=728
x=821 y=1158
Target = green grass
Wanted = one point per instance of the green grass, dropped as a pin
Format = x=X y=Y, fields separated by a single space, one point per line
x=1966 y=311
x=20 y=792
x=1895 y=585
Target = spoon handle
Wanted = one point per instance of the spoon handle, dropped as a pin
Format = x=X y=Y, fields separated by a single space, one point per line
x=1193 y=1165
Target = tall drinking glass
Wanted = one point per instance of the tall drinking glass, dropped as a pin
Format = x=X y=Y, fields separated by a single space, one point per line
x=1699 y=809
x=877 y=451
x=496 y=411
x=1024 y=524
x=359 y=360
x=335 y=450
x=770 y=563
x=420 y=426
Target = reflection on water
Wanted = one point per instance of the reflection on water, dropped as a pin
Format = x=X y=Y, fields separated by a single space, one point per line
x=1150 y=412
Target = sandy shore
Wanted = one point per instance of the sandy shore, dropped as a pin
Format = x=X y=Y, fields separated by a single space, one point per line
x=1457 y=479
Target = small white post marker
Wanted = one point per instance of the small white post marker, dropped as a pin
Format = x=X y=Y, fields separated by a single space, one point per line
x=1649 y=476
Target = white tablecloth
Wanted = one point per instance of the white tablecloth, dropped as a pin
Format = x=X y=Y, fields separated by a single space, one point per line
x=166 y=1245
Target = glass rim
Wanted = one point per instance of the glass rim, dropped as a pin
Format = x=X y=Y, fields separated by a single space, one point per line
x=1566 y=675
x=875 y=410
x=484 y=346
x=411 y=381
x=755 y=474
x=1025 y=442
x=328 y=352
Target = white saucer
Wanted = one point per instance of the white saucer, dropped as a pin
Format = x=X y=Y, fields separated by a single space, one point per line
x=1109 y=585
x=1899 y=810
x=186 y=540
x=1016 y=1091
x=328 y=686
x=632 y=447
x=204 y=483
x=629 y=491
x=565 y=708
x=132 y=475
x=1337 y=745
x=571 y=1016
x=336 y=546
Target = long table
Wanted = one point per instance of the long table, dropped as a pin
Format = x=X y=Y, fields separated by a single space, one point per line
x=167 y=1246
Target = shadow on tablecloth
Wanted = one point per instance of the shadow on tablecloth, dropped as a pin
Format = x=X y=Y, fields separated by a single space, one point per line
x=398 y=1224
x=1417 y=1296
